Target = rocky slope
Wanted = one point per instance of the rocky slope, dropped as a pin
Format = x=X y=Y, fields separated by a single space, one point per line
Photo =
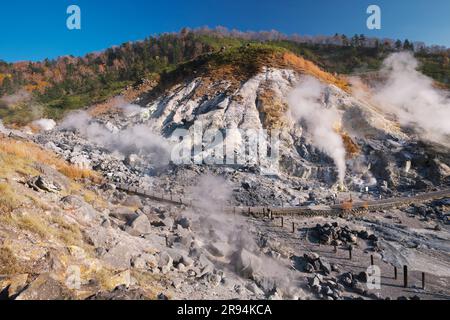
x=68 y=232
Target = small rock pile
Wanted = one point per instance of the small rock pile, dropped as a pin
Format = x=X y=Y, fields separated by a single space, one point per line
x=326 y=289
x=333 y=234
x=315 y=263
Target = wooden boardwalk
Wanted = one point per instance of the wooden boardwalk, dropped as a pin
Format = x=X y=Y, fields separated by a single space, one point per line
x=357 y=207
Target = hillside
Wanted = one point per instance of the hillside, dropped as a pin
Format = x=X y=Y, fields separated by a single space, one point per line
x=165 y=184
x=53 y=87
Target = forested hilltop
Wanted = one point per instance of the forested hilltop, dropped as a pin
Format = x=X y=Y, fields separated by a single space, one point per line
x=68 y=83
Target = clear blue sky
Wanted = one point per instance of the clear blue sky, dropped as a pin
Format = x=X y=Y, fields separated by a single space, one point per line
x=36 y=29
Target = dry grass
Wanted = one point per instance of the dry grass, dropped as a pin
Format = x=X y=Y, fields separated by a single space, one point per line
x=104 y=276
x=69 y=233
x=46 y=227
x=27 y=151
x=94 y=199
x=273 y=109
x=34 y=224
x=9 y=200
x=8 y=262
x=308 y=67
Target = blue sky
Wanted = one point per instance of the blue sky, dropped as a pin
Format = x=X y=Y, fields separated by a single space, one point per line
x=34 y=30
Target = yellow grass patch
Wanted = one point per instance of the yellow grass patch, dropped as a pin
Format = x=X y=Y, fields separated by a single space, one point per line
x=8 y=262
x=9 y=200
x=29 y=151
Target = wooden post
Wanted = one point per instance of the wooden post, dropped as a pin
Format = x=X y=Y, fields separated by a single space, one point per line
x=350 y=252
x=167 y=241
x=405 y=276
x=395 y=273
x=293 y=227
x=371 y=260
x=282 y=222
x=423 y=280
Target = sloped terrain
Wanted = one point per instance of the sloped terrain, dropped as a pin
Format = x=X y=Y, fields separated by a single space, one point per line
x=67 y=231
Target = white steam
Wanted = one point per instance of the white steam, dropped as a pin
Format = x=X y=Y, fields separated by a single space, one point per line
x=134 y=139
x=413 y=99
x=307 y=103
x=214 y=226
x=130 y=110
x=45 y=124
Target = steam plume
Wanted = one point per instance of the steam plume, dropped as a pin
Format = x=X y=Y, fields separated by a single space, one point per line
x=138 y=138
x=212 y=194
x=306 y=103
x=414 y=100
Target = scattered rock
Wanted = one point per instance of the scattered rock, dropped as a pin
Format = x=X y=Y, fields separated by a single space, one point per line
x=122 y=293
x=141 y=224
x=45 y=287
